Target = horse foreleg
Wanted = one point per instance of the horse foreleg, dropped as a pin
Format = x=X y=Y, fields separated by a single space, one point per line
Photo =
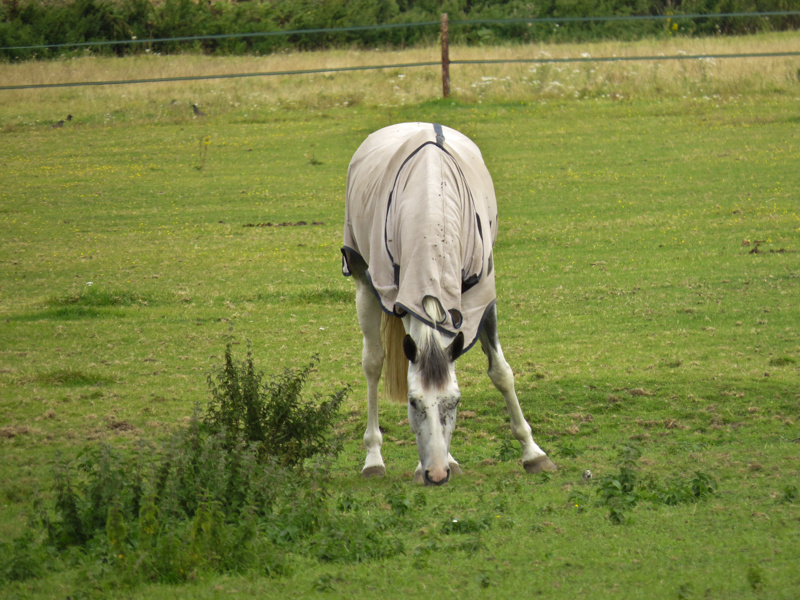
x=534 y=458
x=369 y=318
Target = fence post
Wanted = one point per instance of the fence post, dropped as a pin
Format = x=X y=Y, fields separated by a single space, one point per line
x=445 y=57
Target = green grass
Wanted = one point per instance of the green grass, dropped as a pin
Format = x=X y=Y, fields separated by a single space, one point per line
x=631 y=308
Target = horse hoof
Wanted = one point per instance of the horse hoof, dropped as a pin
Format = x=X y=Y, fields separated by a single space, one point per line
x=377 y=471
x=455 y=469
x=540 y=465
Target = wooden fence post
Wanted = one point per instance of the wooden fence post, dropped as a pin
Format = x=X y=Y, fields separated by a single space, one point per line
x=445 y=57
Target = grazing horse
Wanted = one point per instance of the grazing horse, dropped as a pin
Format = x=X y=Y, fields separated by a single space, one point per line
x=420 y=226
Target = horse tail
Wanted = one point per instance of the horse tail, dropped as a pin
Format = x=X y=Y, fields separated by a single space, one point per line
x=395 y=373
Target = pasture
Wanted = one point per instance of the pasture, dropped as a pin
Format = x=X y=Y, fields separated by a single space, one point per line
x=648 y=266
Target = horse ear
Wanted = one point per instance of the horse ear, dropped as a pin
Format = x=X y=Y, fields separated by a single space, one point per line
x=457 y=347
x=410 y=348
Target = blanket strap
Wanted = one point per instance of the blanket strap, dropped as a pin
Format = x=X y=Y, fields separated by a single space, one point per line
x=439 y=135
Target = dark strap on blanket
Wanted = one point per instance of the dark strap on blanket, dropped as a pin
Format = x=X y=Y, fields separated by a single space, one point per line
x=439 y=135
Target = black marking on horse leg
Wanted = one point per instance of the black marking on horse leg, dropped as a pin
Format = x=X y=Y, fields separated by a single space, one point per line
x=489 y=337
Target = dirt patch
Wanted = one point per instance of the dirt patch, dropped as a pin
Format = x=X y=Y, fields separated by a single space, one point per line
x=12 y=431
x=284 y=224
x=758 y=250
x=640 y=392
x=115 y=425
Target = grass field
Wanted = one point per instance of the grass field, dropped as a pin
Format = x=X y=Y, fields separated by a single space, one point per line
x=648 y=271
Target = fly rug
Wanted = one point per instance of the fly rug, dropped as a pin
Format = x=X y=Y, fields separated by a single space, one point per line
x=420 y=226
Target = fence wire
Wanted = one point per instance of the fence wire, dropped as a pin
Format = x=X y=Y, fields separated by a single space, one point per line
x=621 y=58
x=221 y=76
x=540 y=60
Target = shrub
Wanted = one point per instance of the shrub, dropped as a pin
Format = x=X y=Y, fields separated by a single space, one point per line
x=221 y=494
x=30 y=23
x=273 y=416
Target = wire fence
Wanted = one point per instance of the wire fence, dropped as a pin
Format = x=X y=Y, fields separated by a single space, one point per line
x=445 y=62
x=220 y=76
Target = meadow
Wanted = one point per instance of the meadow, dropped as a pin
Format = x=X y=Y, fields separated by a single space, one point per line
x=648 y=265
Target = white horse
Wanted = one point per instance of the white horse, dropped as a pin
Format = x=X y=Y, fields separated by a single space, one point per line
x=420 y=226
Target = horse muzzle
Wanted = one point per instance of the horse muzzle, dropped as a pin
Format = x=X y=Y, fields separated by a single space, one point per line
x=436 y=476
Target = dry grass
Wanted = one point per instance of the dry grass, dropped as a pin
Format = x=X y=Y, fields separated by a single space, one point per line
x=632 y=78
x=250 y=97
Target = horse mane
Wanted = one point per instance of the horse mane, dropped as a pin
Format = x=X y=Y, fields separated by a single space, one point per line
x=433 y=360
x=432 y=356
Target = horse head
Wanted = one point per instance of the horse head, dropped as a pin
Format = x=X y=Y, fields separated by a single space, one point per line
x=433 y=397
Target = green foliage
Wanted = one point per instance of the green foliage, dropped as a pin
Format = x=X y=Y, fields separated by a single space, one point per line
x=509 y=450
x=30 y=23
x=352 y=540
x=272 y=416
x=567 y=449
x=398 y=499
x=702 y=486
x=622 y=491
x=70 y=378
x=465 y=525
x=93 y=296
x=189 y=526
x=755 y=577
x=23 y=558
x=790 y=494
x=216 y=496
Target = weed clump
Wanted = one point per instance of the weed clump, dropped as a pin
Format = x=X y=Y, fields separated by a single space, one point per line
x=622 y=491
x=233 y=491
x=273 y=416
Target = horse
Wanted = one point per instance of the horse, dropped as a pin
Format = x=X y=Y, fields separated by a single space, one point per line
x=420 y=227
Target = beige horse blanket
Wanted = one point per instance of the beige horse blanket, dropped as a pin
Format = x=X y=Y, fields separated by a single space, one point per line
x=421 y=214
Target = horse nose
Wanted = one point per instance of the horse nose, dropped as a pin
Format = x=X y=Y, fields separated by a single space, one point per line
x=437 y=476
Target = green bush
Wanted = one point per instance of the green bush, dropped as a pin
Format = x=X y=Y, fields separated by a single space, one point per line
x=221 y=494
x=29 y=23
x=273 y=416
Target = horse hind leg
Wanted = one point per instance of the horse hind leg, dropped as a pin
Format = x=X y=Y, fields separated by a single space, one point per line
x=369 y=319
x=534 y=459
